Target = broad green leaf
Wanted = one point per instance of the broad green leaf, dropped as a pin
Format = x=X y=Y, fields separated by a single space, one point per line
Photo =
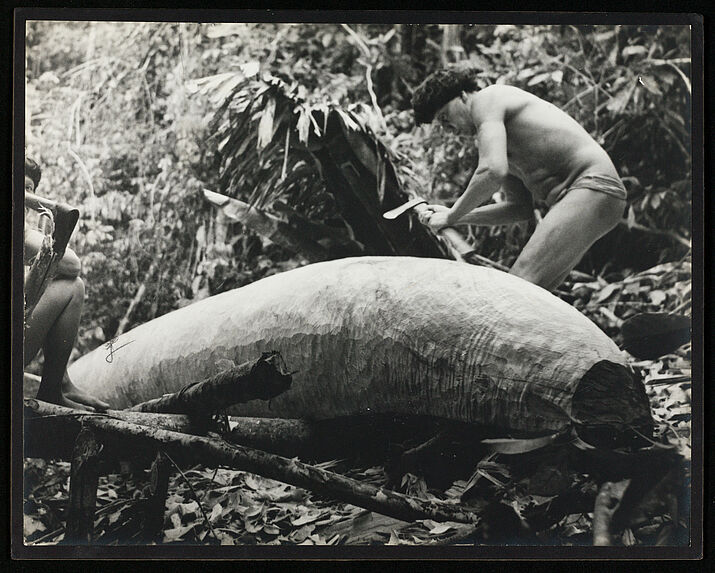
x=514 y=446
x=215 y=512
x=539 y=78
x=223 y=90
x=634 y=50
x=177 y=533
x=441 y=528
x=303 y=124
x=265 y=126
x=649 y=82
x=250 y=69
x=527 y=73
x=619 y=102
x=31 y=525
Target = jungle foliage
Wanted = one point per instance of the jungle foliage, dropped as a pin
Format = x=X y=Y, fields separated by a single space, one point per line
x=129 y=122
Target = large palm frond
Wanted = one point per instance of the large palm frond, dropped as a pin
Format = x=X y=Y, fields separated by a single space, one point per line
x=315 y=163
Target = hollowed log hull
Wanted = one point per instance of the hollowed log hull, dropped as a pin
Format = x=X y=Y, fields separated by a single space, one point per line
x=382 y=335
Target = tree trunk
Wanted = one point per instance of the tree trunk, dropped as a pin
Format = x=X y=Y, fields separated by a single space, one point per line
x=452 y=50
x=386 y=335
x=84 y=479
x=156 y=504
x=413 y=40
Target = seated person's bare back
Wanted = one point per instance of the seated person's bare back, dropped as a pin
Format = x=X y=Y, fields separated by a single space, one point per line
x=530 y=150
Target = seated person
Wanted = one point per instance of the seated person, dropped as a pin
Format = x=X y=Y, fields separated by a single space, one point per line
x=530 y=150
x=54 y=321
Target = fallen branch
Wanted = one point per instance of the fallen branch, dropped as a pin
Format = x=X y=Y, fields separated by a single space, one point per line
x=279 y=436
x=217 y=452
x=262 y=379
x=187 y=481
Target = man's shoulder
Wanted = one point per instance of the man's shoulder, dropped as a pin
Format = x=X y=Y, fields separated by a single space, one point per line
x=501 y=94
x=493 y=101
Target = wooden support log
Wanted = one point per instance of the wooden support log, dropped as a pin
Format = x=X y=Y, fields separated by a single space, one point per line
x=263 y=379
x=217 y=452
x=156 y=504
x=277 y=435
x=84 y=478
x=315 y=440
x=45 y=438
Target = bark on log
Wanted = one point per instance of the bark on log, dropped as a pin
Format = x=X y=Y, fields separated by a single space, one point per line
x=285 y=437
x=46 y=438
x=156 y=504
x=213 y=452
x=84 y=479
x=390 y=335
x=263 y=379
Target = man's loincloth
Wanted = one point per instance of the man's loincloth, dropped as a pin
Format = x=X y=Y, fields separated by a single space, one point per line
x=607 y=184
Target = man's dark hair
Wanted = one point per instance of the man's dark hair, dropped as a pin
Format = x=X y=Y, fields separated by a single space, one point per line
x=440 y=88
x=33 y=171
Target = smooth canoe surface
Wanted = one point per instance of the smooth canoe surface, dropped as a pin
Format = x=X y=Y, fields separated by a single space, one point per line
x=372 y=334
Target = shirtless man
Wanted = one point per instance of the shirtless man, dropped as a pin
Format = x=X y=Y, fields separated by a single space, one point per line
x=528 y=149
x=54 y=321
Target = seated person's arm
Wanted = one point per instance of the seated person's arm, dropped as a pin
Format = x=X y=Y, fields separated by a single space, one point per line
x=518 y=206
x=69 y=266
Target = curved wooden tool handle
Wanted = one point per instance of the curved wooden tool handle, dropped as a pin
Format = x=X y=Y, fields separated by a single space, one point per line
x=66 y=218
x=455 y=239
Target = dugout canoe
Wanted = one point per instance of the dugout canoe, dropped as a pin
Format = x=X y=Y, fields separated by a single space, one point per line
x=395 y=335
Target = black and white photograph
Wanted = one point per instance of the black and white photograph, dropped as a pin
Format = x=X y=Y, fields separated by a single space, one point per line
x=366 y=285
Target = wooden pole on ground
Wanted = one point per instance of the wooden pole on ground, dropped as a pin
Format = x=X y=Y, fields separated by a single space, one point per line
x=263 y=379
x=217 y=452
x=84 y=478
x=156 y=504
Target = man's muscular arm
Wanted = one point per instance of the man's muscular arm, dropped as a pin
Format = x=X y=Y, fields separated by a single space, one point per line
x=518 y=206
x=488 y=116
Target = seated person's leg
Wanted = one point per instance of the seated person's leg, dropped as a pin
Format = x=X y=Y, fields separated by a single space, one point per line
x=53 y=326
x=565 y=234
